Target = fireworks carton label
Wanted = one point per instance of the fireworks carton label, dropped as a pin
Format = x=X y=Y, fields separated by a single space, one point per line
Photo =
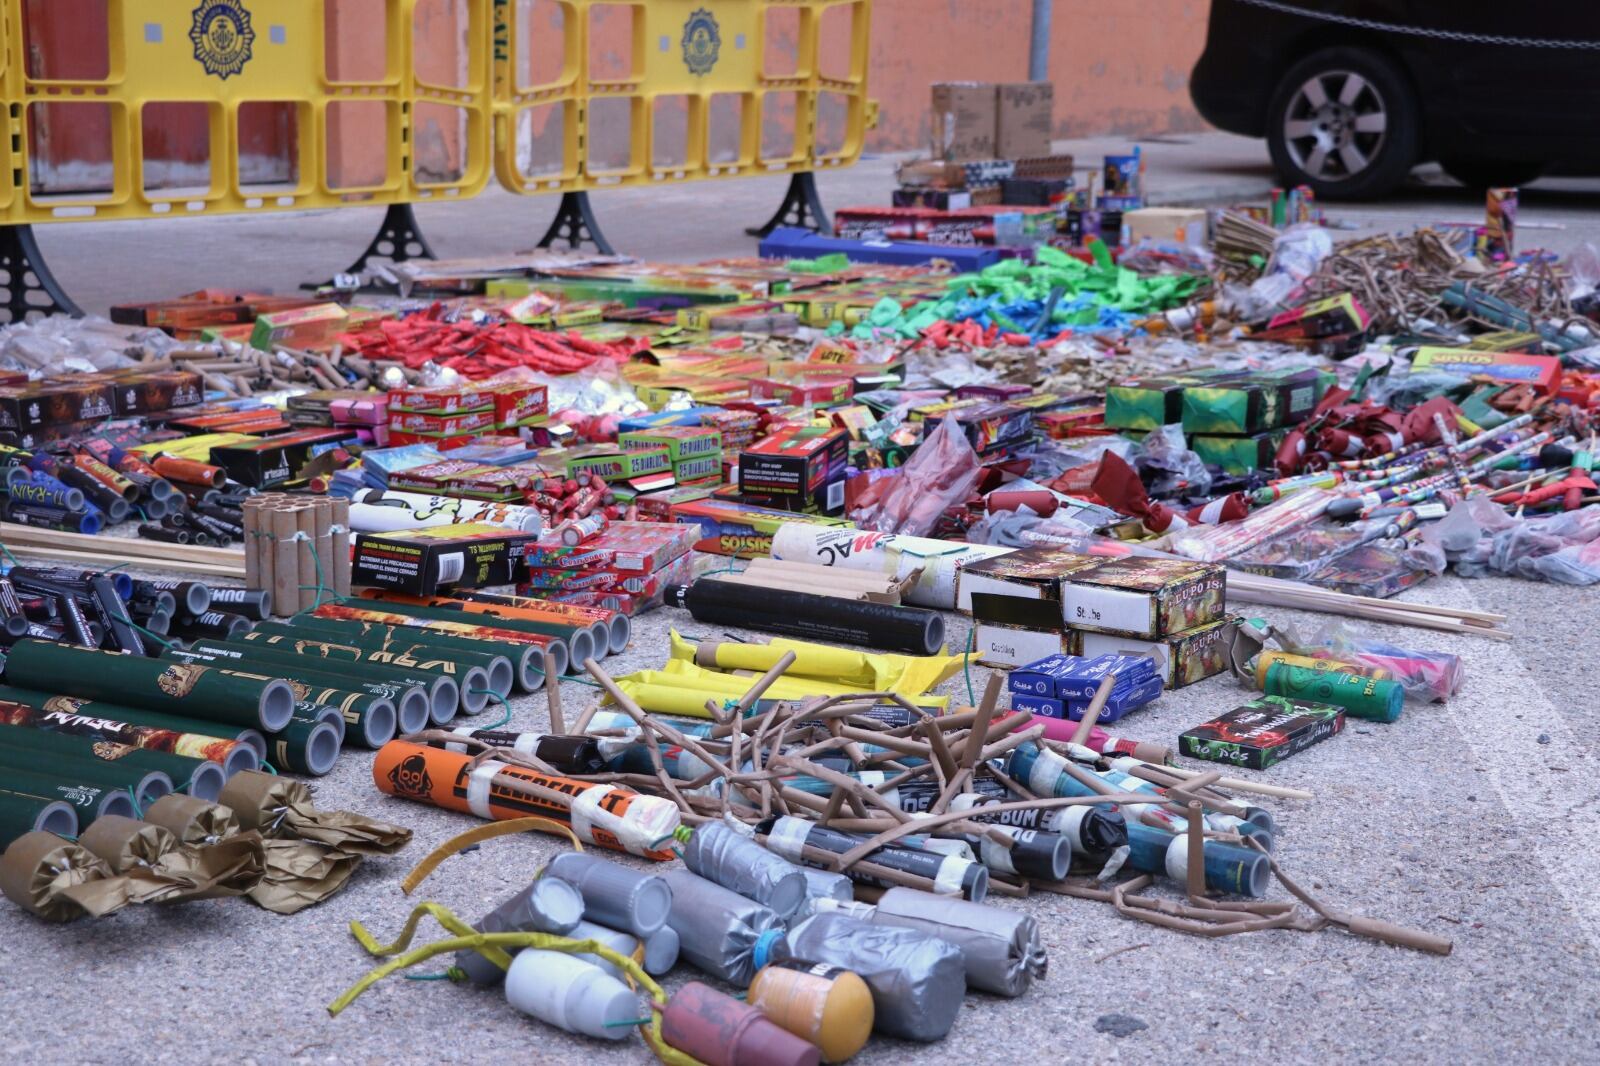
x=1267 y=730
x=422 y=561
x=1182 y=658
x=799 y=468
x=1140 y=597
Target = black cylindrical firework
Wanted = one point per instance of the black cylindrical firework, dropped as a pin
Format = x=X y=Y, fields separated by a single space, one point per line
x=145 y=597
x=307 y=746
x=143 y=785
x=445 y=695
x=67 y=607
x=13 y=619
x=151 y=531
x=1087 y=829
x=1033 y=853
x=523 y=667
x=410 y=701
x=22 y=812
x=472 y=679
x=801 y=614
x=64 y=576
x=951 y=874
x=88 y=801
x=564 y=754
x=254 y=604
x=234 y=696
x=96 y=492
x=43 y=517
x=190 y=597
x=200 y=778
x=212 y=625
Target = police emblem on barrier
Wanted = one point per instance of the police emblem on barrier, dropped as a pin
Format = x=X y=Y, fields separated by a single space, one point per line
x=222 y=37
x=702 y=42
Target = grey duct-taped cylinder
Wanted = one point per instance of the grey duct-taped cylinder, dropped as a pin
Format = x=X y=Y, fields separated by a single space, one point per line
x=717 y=928
x=721 y=854
x=1001 y=948
x=549 y=905
x=614 y=895
x=660 y=951
x=917 y=980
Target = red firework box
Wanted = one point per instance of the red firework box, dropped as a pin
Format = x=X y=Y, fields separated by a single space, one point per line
x=511 y=404
x=816 y=392
x=651 y=595
x=625 y=546
x=459 y=477
x=464 y=424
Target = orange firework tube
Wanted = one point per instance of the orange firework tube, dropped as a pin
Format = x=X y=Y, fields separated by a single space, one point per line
x=189 y=472
x=108 y=477
x=565 y=617
x=606 y=815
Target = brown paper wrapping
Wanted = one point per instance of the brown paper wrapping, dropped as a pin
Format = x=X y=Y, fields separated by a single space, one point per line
x=300 y=874
x=126 y=843
x=192 y=820
x=281 y=807
x=39 y=866
x=228 y=868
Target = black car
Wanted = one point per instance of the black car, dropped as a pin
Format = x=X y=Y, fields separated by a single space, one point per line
x=1351 y=94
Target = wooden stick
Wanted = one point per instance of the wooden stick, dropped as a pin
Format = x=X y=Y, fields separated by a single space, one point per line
x=1236 y=785
x=1091 y=714
x=552 y=692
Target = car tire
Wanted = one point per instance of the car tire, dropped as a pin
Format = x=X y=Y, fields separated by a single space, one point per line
x=1344 y=122
x=1492 y=173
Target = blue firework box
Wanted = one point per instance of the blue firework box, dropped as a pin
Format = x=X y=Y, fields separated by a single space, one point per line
x=1119 y=703
x=1074 y=677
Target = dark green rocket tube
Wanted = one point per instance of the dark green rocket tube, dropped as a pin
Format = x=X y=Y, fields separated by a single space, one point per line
x=139 y=716
x=526 y=660
x=216 y=695
x=24 y=812
x=200 y=778
x=502 y=674
x=308 y=746
x=88 y=802
x=473 y=618
x=143 y=786
x=470 y=679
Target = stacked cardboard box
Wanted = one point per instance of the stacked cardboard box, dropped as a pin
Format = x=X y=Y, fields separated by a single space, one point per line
x=628 y=566
x=453 y=417
x=1063 y=686
x=695 y=452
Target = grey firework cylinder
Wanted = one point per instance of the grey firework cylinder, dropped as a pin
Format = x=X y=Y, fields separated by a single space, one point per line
x=410 y=702
x=735 y=862
x=1001 y=948
x=24 y=812
x=140 y=716
x=212 y=625
x=718 y=930
x=142 y=785
x=202 y=692
x=548 y=905
x=442 y=693
x=88 y=802
x=470 y=680
x=615 y=895
x=200 y=778
x=912 y=630
x=952 y=874
x=505 y=676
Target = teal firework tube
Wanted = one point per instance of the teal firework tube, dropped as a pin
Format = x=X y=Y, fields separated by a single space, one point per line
x=565 y=650
x=471 y=680
x=1371 y=698
x=200 y=778
x=1228 y=867
x=87 y=801
x=307 y=746
x=60 y=716
x=525 y=661
x=24 y=812
x=441 y=694
x=504 y=677
x=253 y=738
x=181 y=688
x=142 y=786
x=487 y=614
x=410 y=700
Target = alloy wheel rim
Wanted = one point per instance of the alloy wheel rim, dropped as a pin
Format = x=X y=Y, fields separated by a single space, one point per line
x=1335 y=125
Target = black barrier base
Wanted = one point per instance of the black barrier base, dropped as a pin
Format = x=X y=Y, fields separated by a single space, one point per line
x=801 y=207
x=399 y=239
x=575 y=226
x=30 y=290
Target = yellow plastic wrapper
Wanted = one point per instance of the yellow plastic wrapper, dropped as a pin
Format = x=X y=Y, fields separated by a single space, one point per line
x=909 y=675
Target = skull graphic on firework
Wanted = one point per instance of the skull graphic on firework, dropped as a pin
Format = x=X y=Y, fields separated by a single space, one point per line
x=411 y=778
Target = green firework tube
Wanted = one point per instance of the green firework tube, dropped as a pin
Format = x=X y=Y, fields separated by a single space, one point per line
x=470 y=678
x=443 y=692
x=374 y=612
x=200 y=778
x=24 y=812
x=484 y=614
x=525 y=661
x=411 y=703
x=232 y=696
x=306 y=711
x=142 y=786
x=231 y=755
x=253 y=738
x=307 y=746
x=504 y=677
x=88 y=802
x=1371 y=698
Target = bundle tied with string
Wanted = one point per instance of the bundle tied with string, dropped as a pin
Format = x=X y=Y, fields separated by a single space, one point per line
x=298 y=548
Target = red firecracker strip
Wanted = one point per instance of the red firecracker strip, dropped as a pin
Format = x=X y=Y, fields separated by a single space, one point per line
x=479 y=350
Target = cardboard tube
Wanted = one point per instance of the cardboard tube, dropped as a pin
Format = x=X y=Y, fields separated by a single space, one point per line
x=305 y=522
x=341 y=547
x=37 y=866
x=192 y=821
x=126 y=843
x=323 y=516
x=285 y=562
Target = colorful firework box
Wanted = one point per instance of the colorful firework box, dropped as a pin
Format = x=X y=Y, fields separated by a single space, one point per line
x=800 y=468
x=681 y=442
x=1237 y=455
x=650 y=594
x=421 y=561
x=627 y=546
x=1252 y=402
x=1543 y=372
x=1140 y=597
x=460 y=477
x=1028 y=574
x=1267 y=730
x=987 y=424
x=273 y=460
x=741 y=530
x=701 y=469
x=1332 y=318
x=1117 y=704
x=612 y=464
x=1182 y=658
x=35 y=405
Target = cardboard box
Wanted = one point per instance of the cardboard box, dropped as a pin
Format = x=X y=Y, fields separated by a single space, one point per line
x=1120 y=702
x=801 y=467
x=271 y=461
x=742 y=530
x=421 y=561
x=1267 y=730
x=1140 y=597
x=1028 y=574
x=963 y=120
x=1182 y=658
x=929 y=196
x=1012 y=646
x=1175 y=225
x=40 y=404
x=614 y=465
x=1024 y=119
x=1543 y=372
x=681 y=442
x=1238 y=455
